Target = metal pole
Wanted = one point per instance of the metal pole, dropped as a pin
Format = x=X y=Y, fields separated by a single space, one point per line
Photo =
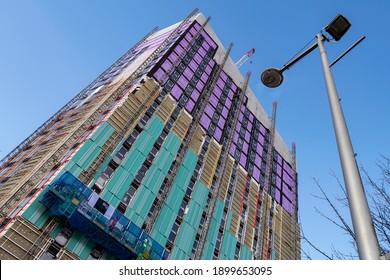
x=366 y=239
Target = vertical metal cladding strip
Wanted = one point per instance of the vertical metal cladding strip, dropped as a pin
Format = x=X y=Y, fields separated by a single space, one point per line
x=225 y=167
x=262 y=238
x=207 y=93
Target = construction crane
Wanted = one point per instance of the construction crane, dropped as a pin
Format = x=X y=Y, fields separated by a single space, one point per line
x=245 y=57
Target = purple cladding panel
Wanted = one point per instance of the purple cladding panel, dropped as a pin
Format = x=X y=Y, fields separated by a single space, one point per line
x=221 y=122
x=287 y=179
x=182 y=82
x=208 y=70
x=256 y=174
x=201 y=52
x=287 y=191
x=200 y=86
x=240 y=117
x=188 y=37
x=166 y=65
x=193 y=65
x=188 y=73
x=213 y=100
x=228 y=103
x=204 y=77
x=223 y=76
x=231 y=94
x=173 y=57
x=211 y=63
x=218 y=134
x=192 y=31
x=278 y=182
x=245 y=147
x=195 y=95
x=260 y=139
x=176 y=92
x=198 y=58
x=243 y=160
x=184 y=43
x=249 y=126
x=235 y=137
x=179 y=50
x=258 y=160
x=262 y=130
x=288 y=169
x=232 y=149
x=205 y=121
x=190 y=105
x=220 y=83
x=238 y=127
x=209 y=110
x=208 y=39
x=233 y=87
x=277 y=196
x=279 y=170
x=287 y=205
x=217 y=91
x=251 y=117
x=247 y=136
x=160 y=76
x=196 y=26
x=280 y=160
x=225 y=112
x=205 y=45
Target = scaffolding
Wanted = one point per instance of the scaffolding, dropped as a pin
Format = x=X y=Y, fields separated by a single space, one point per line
x=225 y=167
x=187 y=140
x=69 y=198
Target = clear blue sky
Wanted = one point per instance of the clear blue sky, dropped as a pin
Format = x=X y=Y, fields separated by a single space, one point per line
x=50 y=50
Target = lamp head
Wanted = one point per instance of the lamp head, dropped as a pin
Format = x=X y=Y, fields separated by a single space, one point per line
x=272 y=77
x=338 y=27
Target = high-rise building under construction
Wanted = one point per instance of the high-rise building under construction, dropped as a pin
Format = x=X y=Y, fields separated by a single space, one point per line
x=166 y=155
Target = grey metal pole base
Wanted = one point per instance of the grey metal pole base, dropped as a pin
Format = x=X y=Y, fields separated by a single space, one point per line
x=366 y=239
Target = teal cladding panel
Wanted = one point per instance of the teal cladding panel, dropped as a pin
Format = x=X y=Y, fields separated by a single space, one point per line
x=228 y=245
x=154 y=127
x=194 y=214
x=164 y=222
x=245 y=253
x=154 y=179
x=200 y=194
x=119 y=183
x=178 y=254
x=208 y=251
x=101 y=135
x=186 y=238
x=175 y=198
x=80 y=245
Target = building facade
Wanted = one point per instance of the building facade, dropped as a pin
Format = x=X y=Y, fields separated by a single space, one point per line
x=166 y=155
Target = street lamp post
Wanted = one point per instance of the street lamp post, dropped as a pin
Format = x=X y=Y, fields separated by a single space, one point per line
x=365 y=236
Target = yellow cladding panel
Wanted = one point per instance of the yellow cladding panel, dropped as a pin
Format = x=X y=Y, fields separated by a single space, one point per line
x=223 y=188
x=252 y=209
x=166 y=108
x=210 y=162
x=182 y=123
x=197 y=140
x=237 y=200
